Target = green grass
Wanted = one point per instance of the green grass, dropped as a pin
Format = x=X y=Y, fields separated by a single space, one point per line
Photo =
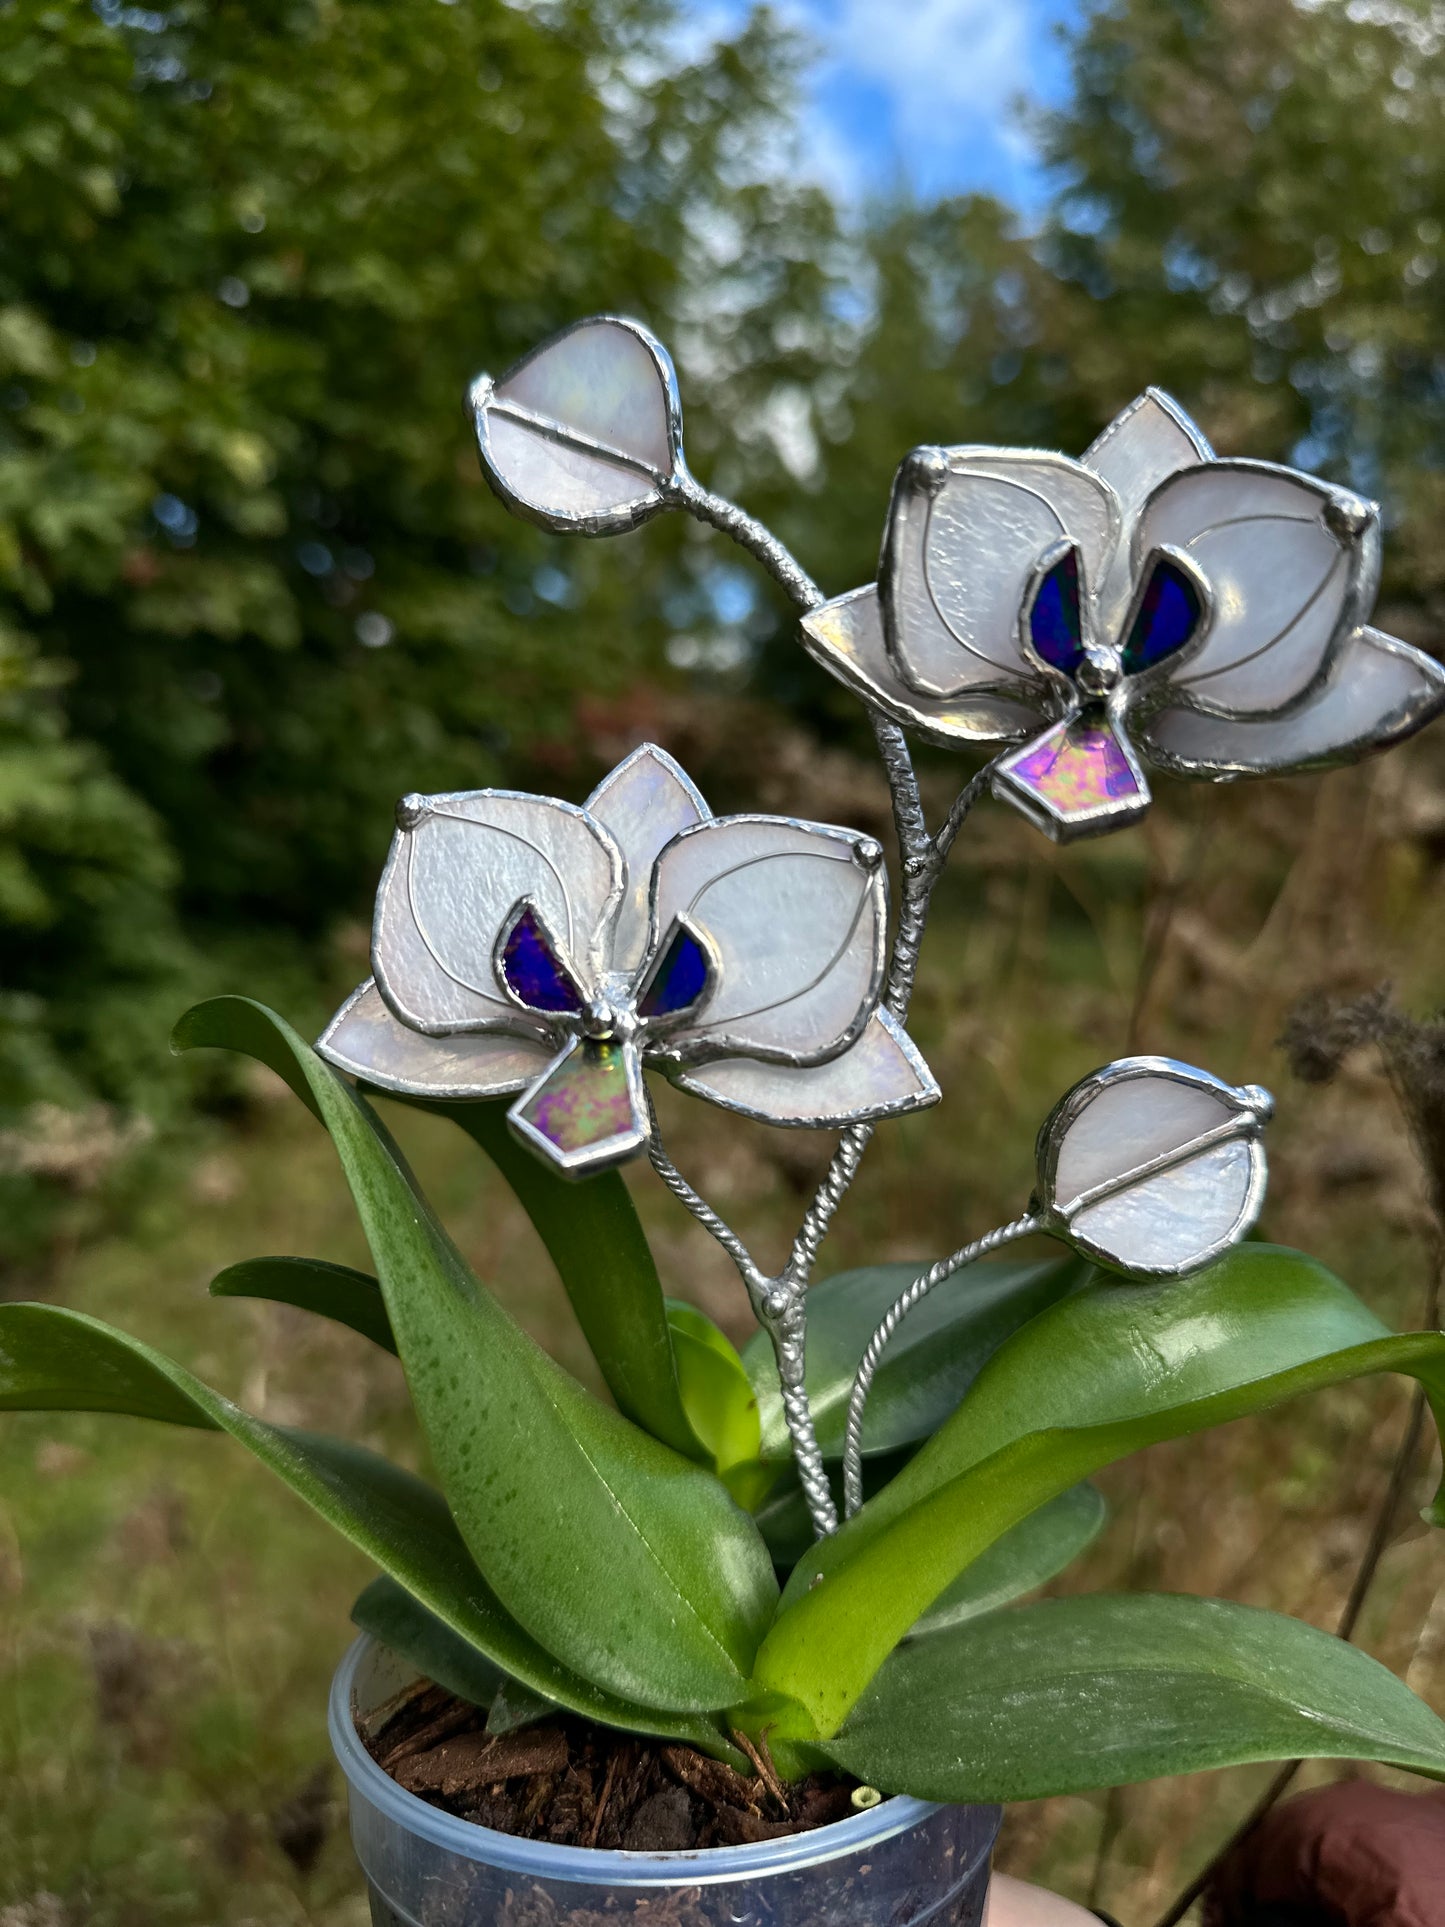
x=169 y=1618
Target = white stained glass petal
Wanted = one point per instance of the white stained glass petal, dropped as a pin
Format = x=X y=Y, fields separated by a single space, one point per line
x=1142 y=447
x=1145 y=443
x=644 y=803
x=1152 y=1165
x=961 y=552
x=366 y=1041
x=1380 y=691
x=607 y=378
x=582 y=430
x=1179 y=1217
x=1281 y=584
x=846 y=637
x=795 y=914
x=560 y=484
x=881 y=1075
x=451 y=881
x=1125 y=1124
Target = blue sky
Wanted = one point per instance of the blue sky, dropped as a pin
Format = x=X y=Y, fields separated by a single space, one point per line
x=923 y=90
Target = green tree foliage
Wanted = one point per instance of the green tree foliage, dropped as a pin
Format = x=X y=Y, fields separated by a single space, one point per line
x=86 y=872
x=250 y=257
x=1247 y=207
x=1253 y=194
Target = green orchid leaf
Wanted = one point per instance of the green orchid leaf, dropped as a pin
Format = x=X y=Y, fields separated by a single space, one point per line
x=630 y=1563
x=337 y=1292
x=596 y=1241
x=515 y=1706
x=52 y=1359
x=933 y=1359
x=390 y=1614
x=721 y=1404
x=785 y=1521
x=784 y=1518
x=1097 y=1376
x=1112 y=1349
x=1025 y=1558
x=718 y=1394
x=1106 y=1690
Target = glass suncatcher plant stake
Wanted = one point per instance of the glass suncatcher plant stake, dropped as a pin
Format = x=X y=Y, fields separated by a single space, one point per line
x=524 y=944
x=639 y=1563
x=1149 y=1167
x=1147 y=606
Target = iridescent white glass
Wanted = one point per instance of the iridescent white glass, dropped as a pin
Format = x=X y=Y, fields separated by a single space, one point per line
x=1151 y=1166
x=781 y=923
x=1279 y=671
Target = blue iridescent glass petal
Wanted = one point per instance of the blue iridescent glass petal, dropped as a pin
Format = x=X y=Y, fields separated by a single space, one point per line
x=534 y=972
x=1168 y=615
x=1055 y=624
x=680 y=978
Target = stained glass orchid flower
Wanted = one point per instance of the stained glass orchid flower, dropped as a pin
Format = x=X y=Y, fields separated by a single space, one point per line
x=522 y=944
x=1149 y=603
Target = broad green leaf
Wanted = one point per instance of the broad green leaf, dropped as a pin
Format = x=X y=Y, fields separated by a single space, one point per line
x=933 y=1359
x=1118 y=1350
x=784 y=1518
x=785 y=1521
x=721 y=1404
x=718 y=1394
x=332 y=1291
x=1106 y=1690
x=595 y=1239
x=53 y=1360
x=1098 y=1376
x=515 y=1705
x=629 y=1562
x=390 y=1614
x=1026 y=1557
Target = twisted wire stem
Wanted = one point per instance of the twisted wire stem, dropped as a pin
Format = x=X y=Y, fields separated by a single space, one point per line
x=842 y=1169
x=779 y=1303
x=716 y=1227
x=915 y=853
x=789 y=1331
x=958 y=815
x=780 y=1312
x=891 y=1320
x=750 y=534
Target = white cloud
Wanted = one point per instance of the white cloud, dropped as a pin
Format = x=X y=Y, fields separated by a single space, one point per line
x=931 y=56
x=925 y=89
x=949 y=73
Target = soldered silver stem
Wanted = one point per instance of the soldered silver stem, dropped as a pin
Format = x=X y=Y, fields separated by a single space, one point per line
x=780 y=1303
x=750 y=534
x=892 y=1319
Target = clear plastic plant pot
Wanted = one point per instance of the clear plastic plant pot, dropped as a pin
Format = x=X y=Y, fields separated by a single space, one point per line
x=898 y=1864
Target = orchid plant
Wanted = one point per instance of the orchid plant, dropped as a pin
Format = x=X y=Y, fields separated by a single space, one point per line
x=674 y=1563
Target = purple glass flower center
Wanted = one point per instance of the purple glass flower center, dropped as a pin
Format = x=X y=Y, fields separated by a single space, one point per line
x=585 y=1104
x=1074 y=780
x=1055 y=617
x=1167 y=617
x=533 y=968
x=680 y=979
